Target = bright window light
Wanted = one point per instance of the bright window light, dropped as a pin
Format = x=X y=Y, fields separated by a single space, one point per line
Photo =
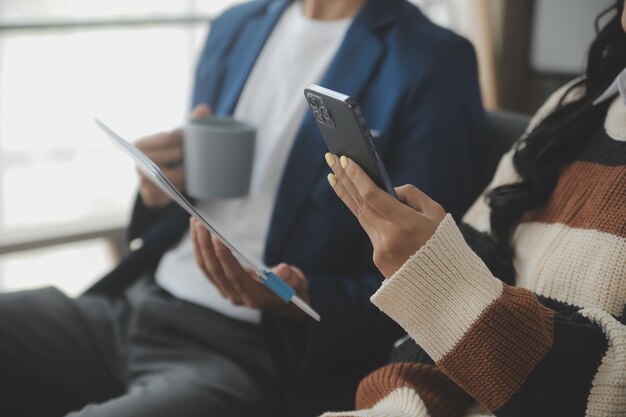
x=71 y=268
x=56 y=168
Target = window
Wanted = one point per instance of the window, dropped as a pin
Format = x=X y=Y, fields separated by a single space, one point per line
x=62 y=63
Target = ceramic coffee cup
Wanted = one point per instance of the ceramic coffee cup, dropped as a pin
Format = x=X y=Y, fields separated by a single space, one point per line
x=218 y=155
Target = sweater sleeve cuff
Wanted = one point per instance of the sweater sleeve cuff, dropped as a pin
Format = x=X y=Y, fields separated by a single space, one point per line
x=440 y=291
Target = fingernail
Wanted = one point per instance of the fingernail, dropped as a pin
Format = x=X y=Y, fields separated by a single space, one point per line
x=344 y=161
x=332 y=180
x=330 y=159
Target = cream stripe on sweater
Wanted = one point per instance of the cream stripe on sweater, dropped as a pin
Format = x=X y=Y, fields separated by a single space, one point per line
x=564 y=263
x=400 y=402
x=439 y=292
x=615 y=123
x=608 y=393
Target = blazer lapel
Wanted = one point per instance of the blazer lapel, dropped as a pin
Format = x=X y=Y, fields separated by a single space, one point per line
x=349 y=72
x=245 y=53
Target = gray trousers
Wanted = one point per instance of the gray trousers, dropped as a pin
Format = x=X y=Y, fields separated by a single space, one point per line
x=145 y=354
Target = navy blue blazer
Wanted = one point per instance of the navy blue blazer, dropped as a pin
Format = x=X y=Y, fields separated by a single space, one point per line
x=417 y=86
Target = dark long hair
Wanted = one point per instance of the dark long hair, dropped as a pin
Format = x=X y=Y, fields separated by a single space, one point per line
x=555 y=142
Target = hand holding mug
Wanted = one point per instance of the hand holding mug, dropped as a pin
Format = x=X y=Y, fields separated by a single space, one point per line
x=166 y=151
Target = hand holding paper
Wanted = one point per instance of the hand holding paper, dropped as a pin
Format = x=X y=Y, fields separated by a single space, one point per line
x=233 y=280
x=261 y=274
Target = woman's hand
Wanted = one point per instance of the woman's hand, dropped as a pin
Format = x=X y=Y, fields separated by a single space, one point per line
x=397 y=229
x=240 y=285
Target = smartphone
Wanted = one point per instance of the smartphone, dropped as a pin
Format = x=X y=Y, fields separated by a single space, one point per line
x=345 y=132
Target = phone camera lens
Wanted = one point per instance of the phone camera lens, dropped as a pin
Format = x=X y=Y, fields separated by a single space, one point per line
x=325 y=112
x=319 y=117
x=312 y=101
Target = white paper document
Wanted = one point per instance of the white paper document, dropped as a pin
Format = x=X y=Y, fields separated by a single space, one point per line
x=154 y=173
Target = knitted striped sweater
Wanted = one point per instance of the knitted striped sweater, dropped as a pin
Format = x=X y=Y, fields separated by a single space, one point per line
x=553 y=342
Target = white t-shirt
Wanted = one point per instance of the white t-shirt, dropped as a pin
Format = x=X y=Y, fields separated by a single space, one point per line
x=296 y=54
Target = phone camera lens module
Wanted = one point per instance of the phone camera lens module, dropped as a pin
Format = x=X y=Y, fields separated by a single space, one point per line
x=325 y=112
x=312 y=101
x=319 y=117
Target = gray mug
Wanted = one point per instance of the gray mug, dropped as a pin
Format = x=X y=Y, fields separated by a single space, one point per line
x=218 y=153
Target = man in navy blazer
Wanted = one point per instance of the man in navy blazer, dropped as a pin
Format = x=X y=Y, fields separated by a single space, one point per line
x=417 y=86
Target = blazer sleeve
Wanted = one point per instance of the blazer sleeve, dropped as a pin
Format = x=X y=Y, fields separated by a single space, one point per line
x=142 y=218
x=501 y=344
x=439 y=140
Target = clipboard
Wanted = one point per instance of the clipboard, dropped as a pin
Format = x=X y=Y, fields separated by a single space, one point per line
x=154 y=173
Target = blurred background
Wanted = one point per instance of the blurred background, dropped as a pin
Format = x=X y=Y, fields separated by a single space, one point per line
x=131 y=63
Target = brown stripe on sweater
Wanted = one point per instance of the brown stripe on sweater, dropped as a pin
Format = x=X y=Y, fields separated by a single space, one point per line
x=442 y=397
x=587 y=196
x=493 y=359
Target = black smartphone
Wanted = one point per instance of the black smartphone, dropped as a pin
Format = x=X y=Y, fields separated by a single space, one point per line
x=345 y=131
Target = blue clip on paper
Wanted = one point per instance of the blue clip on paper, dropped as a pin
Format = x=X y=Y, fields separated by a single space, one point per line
x=278 y=286
x=286 y=293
